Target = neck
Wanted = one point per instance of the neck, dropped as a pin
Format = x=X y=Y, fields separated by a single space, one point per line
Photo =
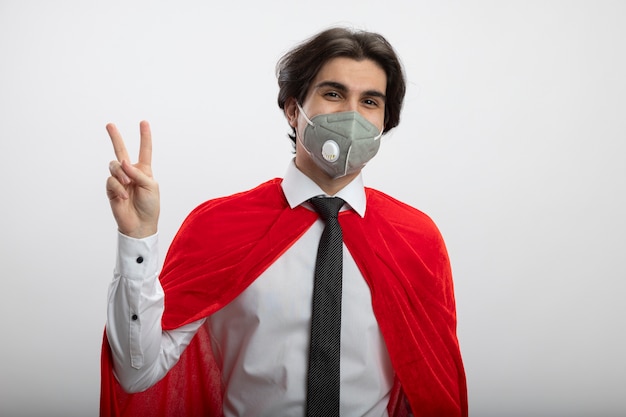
x=330 y=186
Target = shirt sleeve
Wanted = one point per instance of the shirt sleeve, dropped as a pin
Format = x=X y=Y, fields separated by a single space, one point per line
x=142 y=352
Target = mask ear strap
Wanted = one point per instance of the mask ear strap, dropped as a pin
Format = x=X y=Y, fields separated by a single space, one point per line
x=380 y=135
x=304 y=114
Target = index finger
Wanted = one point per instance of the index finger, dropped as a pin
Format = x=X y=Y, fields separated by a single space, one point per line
x=118 y=143
x=145 y=146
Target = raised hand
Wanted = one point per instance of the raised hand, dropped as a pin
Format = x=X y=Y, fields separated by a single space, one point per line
x=132 y=191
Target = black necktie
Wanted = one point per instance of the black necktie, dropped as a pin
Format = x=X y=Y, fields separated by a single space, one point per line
x=323 y=377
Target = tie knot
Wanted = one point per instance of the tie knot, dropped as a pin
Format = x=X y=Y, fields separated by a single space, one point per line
x=327 y=207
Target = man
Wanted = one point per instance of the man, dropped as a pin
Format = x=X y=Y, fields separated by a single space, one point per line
x=230 y=328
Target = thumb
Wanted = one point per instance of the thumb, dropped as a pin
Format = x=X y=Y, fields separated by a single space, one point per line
x=136 y=175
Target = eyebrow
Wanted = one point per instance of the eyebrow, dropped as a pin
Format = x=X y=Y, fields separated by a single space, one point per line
x=341 y=87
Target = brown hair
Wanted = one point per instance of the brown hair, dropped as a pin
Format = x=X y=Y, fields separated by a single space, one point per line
x=297 y=68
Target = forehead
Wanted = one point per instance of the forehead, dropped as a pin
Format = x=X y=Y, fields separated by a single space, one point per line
x=355 y=75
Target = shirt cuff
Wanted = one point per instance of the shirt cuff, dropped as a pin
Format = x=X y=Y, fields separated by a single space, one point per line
x=137 y=258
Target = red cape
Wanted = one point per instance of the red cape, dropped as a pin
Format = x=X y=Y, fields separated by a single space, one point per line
x=226 y=243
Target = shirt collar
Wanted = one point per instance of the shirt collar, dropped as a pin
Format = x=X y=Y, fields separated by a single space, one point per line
x=298 y=188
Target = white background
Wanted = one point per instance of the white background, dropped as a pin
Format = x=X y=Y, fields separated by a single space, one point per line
x=512 y=139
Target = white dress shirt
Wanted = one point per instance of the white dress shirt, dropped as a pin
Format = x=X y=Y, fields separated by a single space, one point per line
x=261 y=339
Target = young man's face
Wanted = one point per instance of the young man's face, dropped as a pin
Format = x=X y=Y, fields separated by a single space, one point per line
x=342 y=84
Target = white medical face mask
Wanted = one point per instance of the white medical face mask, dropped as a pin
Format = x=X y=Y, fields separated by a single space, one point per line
x=340 y=143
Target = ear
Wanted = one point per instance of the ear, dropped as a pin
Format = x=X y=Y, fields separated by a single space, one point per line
x=291 y=111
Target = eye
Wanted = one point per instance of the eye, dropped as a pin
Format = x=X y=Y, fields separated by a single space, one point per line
x=370 y=102
x=332 y=95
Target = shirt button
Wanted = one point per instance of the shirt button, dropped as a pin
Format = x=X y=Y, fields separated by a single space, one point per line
x=140 y=259
x=134 y=317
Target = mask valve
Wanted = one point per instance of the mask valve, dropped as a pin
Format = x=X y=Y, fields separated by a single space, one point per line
x=330 y=150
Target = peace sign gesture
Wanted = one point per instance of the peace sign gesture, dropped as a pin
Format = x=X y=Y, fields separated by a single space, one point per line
x=132 y=191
